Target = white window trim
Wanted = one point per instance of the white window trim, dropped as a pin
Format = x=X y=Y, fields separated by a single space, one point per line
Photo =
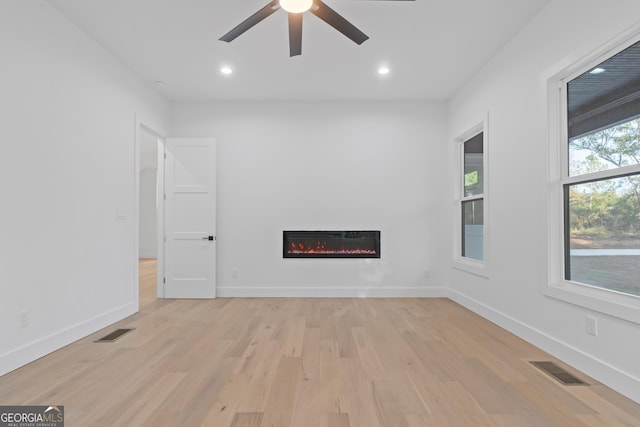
x=479 y=268
x=609 y=302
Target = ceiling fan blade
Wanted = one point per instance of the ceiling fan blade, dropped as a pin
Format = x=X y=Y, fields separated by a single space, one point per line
x=295 y=34
x=334 y=19
x=251 y=21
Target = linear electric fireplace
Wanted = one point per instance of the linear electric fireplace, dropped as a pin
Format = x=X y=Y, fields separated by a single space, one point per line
x=331 y=244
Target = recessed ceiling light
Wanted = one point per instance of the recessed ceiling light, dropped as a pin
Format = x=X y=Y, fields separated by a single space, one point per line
x=383 y=70
x=597 y=70
x=226 y=70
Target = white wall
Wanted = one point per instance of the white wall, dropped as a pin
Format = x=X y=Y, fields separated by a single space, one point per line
x=512 y=87
x=68 y=118
x=323 y=166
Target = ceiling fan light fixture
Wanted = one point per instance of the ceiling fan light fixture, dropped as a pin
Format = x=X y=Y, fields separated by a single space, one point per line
x=296 y=6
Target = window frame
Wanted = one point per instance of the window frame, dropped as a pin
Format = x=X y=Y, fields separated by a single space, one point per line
x=610 y=302
x=470 y=265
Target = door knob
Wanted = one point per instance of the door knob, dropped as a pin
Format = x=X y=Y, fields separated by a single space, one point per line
x=209 y=238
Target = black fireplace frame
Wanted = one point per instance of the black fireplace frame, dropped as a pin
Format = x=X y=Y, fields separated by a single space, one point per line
x=355 y=243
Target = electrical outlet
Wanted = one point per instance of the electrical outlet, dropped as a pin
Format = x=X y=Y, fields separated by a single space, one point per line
x=25 y=319
x=426 y=274
x=592 y=326
x=234 y=273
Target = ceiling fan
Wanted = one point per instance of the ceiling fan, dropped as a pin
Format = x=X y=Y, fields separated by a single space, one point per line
x=295 y=9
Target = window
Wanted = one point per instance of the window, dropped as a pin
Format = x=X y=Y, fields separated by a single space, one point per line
x=472 y=204
x=471 y=225
x=597 y=192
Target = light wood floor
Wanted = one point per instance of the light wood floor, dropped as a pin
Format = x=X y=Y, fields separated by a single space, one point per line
x=308 y=362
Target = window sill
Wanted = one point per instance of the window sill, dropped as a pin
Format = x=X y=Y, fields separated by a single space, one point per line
x=478 y=268
x=616 y=304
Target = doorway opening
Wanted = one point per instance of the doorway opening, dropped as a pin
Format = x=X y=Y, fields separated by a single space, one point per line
x=147 y=281
x=176 y=215
x=149 y=174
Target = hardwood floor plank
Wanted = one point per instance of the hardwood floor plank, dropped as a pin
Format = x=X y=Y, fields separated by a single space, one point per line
x=306 y=403
x=408 y=397
x=333 y=398
x=418 y=420
x=393 y=350
x=388 y=408
x=334 y=420
x=262 y=376
x=247 y=419
x=465 y=405
x=609 y=397
x=362 y=408
x=473 y=345
x=279 y=407
x=195 y=396
x=510 y=420
x=311 y=354
x=260 y=340
x=147 y=402
x=485 y=385
x=241 y=332
x=293 y=336
x=425 y=350
x=441 y=410
x=604 y=409
x=223 y=410
x=551 y=409
x=344 y=336
x=331 y=362
x=369 y=359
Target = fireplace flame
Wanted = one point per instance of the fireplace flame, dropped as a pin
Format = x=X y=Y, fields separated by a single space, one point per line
x=321 y=249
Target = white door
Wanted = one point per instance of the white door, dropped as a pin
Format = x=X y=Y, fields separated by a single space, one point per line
x=190 y=218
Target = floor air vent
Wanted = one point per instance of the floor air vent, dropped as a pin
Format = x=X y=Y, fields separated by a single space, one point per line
x=558 y=373
x=113 y=336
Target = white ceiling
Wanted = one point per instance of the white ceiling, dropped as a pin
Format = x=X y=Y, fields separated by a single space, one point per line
x=431 y=46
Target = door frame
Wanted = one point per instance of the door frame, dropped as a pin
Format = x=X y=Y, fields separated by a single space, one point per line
x=160 y=195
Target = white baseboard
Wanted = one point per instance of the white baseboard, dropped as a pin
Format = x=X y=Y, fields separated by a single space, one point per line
x=608 y=375
x=19 y=357
x=330 y=292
